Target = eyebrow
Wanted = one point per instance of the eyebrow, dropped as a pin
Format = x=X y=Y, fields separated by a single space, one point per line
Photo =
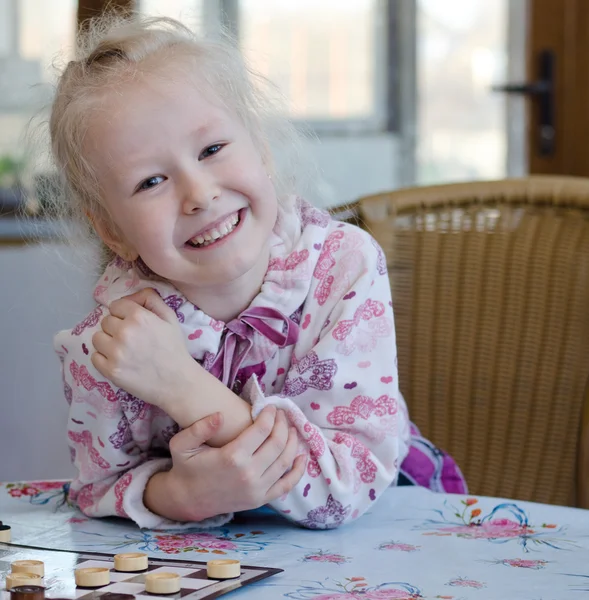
x=126 y=179
x=203 y=130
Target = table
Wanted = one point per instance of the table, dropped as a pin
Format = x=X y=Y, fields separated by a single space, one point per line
x=413 y=544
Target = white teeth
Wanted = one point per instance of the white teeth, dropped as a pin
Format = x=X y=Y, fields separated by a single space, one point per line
x=216 y=233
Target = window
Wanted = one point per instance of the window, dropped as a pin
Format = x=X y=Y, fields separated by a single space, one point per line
x=335 y=62
x=325 y=56
x=461 y=53
x=328 y=58
x=190 y=12
x=33 y=36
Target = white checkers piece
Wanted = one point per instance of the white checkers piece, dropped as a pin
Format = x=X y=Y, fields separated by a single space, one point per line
x=131 y=562
x=223 y=569
x=5 y=533
x=162 y=583
x=28 y=566
x=92 y=577
x=16 y=579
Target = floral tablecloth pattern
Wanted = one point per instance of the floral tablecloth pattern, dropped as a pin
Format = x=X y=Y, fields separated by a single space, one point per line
x=413 y=544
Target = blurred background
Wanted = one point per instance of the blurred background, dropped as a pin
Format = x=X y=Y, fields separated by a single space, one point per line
x=397 y=92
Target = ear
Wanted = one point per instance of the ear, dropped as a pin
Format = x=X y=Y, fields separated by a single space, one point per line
x=112 y=237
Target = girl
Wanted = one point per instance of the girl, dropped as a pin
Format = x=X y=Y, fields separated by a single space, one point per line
x=242 y=351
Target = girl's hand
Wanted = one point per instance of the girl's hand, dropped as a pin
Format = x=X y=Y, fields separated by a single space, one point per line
x=142 y=350
x=260 y=465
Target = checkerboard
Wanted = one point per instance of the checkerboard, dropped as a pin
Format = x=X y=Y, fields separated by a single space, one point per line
x=60 y=565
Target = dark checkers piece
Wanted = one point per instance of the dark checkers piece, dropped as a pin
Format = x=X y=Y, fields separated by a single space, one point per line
x=27 y=592
x=115 y=596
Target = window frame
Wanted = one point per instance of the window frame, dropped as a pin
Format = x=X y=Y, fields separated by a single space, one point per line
x=386 y=115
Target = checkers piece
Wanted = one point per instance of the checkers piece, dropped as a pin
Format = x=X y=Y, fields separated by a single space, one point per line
x=28 y=566
x=131 y=562
x=17 y=579
x=5 y=533
x=116 y=596
x=27 y=592
x=223 y=569
x=92 y=577
x=162 y=583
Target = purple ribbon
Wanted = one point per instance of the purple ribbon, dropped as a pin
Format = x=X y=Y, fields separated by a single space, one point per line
x=238 y=339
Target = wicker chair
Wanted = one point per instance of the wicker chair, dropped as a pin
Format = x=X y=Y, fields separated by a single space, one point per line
x=583 y=461
x=490 y=285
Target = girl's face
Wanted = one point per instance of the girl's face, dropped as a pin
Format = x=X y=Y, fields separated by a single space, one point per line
x=183 y=182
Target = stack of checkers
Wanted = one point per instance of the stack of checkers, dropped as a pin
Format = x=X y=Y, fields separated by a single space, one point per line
x=25 y=582
x=160 y=582
x=5 y=533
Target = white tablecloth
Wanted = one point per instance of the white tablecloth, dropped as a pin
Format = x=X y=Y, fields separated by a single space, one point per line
x=413 y=544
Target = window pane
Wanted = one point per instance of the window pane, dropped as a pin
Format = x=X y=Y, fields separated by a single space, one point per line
x=41 y=34
x=322 y=55
x=461 y=53
x=189 y=12
x=47 y=32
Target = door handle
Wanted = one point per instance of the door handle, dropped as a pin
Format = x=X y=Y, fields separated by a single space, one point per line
x=542 y=91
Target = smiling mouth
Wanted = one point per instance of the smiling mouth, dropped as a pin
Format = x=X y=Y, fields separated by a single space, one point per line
x=215 y=234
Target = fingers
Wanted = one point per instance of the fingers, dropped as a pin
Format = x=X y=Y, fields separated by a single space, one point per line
x=245 y=444
x=103 y=343
x=288 y=481
x=274 y=445
x=284 y=460
x=100 y=363
x=111 y=325
x=190 y=439
x=123 y=308
x=147 y=298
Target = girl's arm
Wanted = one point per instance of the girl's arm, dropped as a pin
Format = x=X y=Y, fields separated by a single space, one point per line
x=139 y=347
x=341 y=392
x=194 y=403
x=257 y=467
x=117 y=441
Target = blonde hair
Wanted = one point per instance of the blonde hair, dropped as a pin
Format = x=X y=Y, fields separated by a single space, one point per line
x=113 y=50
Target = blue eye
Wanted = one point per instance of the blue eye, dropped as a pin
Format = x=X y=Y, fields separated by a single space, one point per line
x=214 y=149
x=150 y=182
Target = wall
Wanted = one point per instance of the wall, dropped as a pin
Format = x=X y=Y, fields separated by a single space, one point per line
x=41 y=291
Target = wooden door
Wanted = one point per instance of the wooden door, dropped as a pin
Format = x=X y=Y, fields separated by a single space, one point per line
x=559 y=29
x=92 y=8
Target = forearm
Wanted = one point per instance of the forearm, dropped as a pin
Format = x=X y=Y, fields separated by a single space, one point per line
x=159 y=498
x=202 y=395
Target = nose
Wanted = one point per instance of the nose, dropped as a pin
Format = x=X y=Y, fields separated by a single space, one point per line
x=198 y=191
